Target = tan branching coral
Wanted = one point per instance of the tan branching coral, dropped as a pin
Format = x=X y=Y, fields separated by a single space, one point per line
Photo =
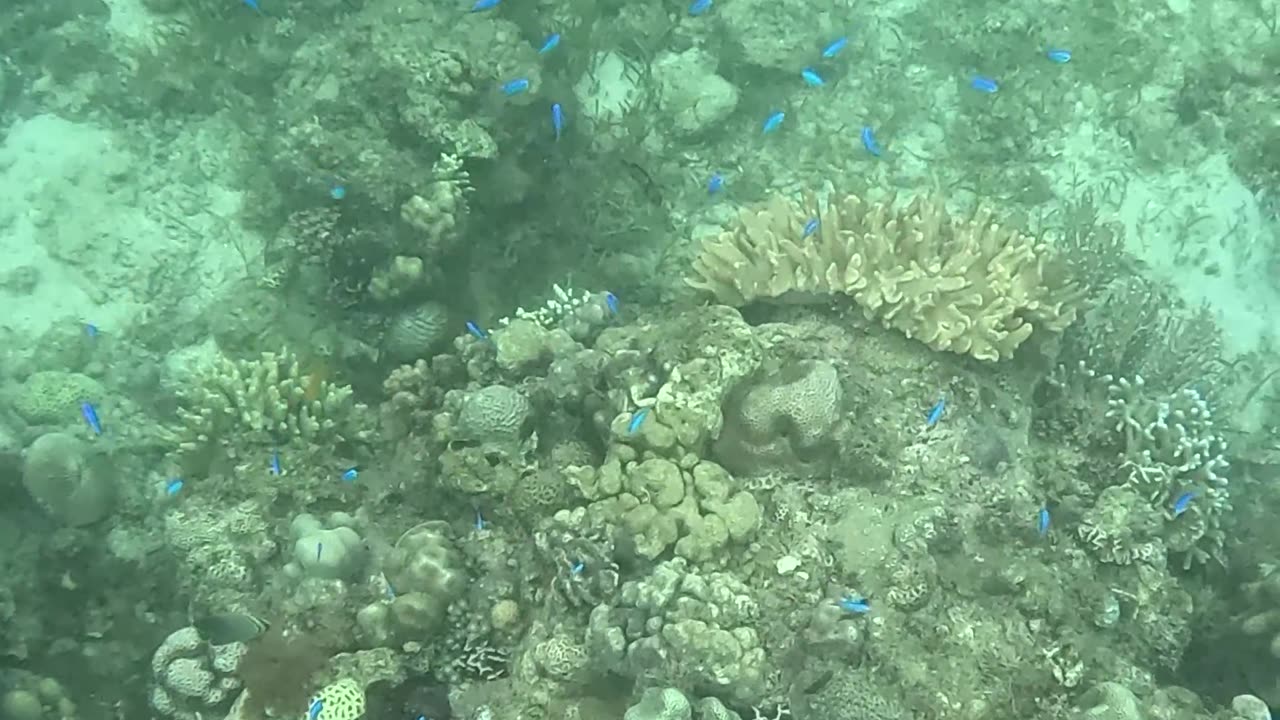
x=964 y=284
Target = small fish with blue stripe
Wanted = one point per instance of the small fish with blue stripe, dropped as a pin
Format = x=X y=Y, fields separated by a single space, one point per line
x=1042 y=521
x=854 y=604
x=811 y=77
x=774 y=121
x=935 y=413
x=515 y=87
x=637 y=419
x=611 y=303
x=1183 y=503
x=90 y=415
x=984 y=84
x=351 y=474
x=715 y=184
x=551 y=43
x=699 y=7
x=810 y=228
x=557 y=120
x=475 y=331
x=314 y=710
x=869 y=141
x=835 y=47
x=275 y=466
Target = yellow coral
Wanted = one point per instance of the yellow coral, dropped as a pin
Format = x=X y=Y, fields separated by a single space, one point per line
x=967 y=285
x=341 y=700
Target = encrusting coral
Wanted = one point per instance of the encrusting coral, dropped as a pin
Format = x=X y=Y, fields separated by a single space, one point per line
x=964 y=284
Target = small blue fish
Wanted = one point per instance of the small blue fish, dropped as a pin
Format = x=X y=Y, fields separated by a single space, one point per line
x=337 y=191
x=313 y=712
x=869 y=141
x=319 y=549
x=715 y=184
x=853 y=604
x=276 y=469
x=984 y=84
x=557 y=119
x=774 y=121
x=637 y=419
x=834 y=47
x=350 y=474
x=698 y=7
x=1183 y=502
x=173 y=487
x=811 y=77
x=91 y=417
x=1042 y=521
x=1058 y=55
x=482 y=5
x=475 y=330
x=481 y=523
x=391 y=590
x=810 y=227
x=91 y=330
x=935 y=413
x=253 y=5
x=611 y=302
x=515 y=87
x=577 y=568
x=551 y=43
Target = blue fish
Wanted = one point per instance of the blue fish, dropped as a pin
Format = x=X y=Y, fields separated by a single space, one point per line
x=173 y=487
x=1183 y=502
x=319 y=549
x=854 y=604
x=1058 y=55
x=774 y=121
x=337 y=191
x=811 y=77
x=810 y=227
x=475 y=330
x=91 y=417
x=611 y=302
x=276 y=469
x=515 y=87
x=350 y=474
x=557 y=119
x=715 y=184
x=91 y=330
x=482 y=5
x=314 y=711
x=834 y=47
x=578 y=567
x=869 y=141
x=1042 y=521
x=637 y=419
x=253 y=4
x=481 y=523
x=552 y=41
x=698 y=7
x=984 y=84
x=935 y=413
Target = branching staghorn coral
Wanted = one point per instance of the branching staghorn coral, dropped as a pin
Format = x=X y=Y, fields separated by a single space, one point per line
x=265 y=402
x=963 y=284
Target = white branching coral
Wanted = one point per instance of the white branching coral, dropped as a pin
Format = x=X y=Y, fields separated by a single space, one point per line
x=1173 y=492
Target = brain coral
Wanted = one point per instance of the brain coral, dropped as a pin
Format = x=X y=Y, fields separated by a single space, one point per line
x=53 y=396
x=75 y=486
x=968 y=285
x=782 y=420
x=493 y=414
x=415 y=331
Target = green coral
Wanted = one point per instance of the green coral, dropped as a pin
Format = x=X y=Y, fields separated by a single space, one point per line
x=49 y=397
x=69 y=480
x=660 y=704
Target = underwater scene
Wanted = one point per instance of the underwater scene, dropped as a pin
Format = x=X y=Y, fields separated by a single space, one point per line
x=639 y=359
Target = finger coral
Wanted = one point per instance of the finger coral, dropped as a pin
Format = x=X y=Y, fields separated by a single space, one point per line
x=965 y=284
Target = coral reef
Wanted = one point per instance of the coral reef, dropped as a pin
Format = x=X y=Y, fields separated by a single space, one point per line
x=334 y=552
x=426 y=574
x=234 y=405
x=415 y=331
x=782 y=421
x=686 y=629
x=964 y=284
x=1173 y=496
x=191 y=677
x=49 y=397
x=72 y=481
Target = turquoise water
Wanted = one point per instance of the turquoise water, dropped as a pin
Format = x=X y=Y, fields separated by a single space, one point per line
x=592 y=360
